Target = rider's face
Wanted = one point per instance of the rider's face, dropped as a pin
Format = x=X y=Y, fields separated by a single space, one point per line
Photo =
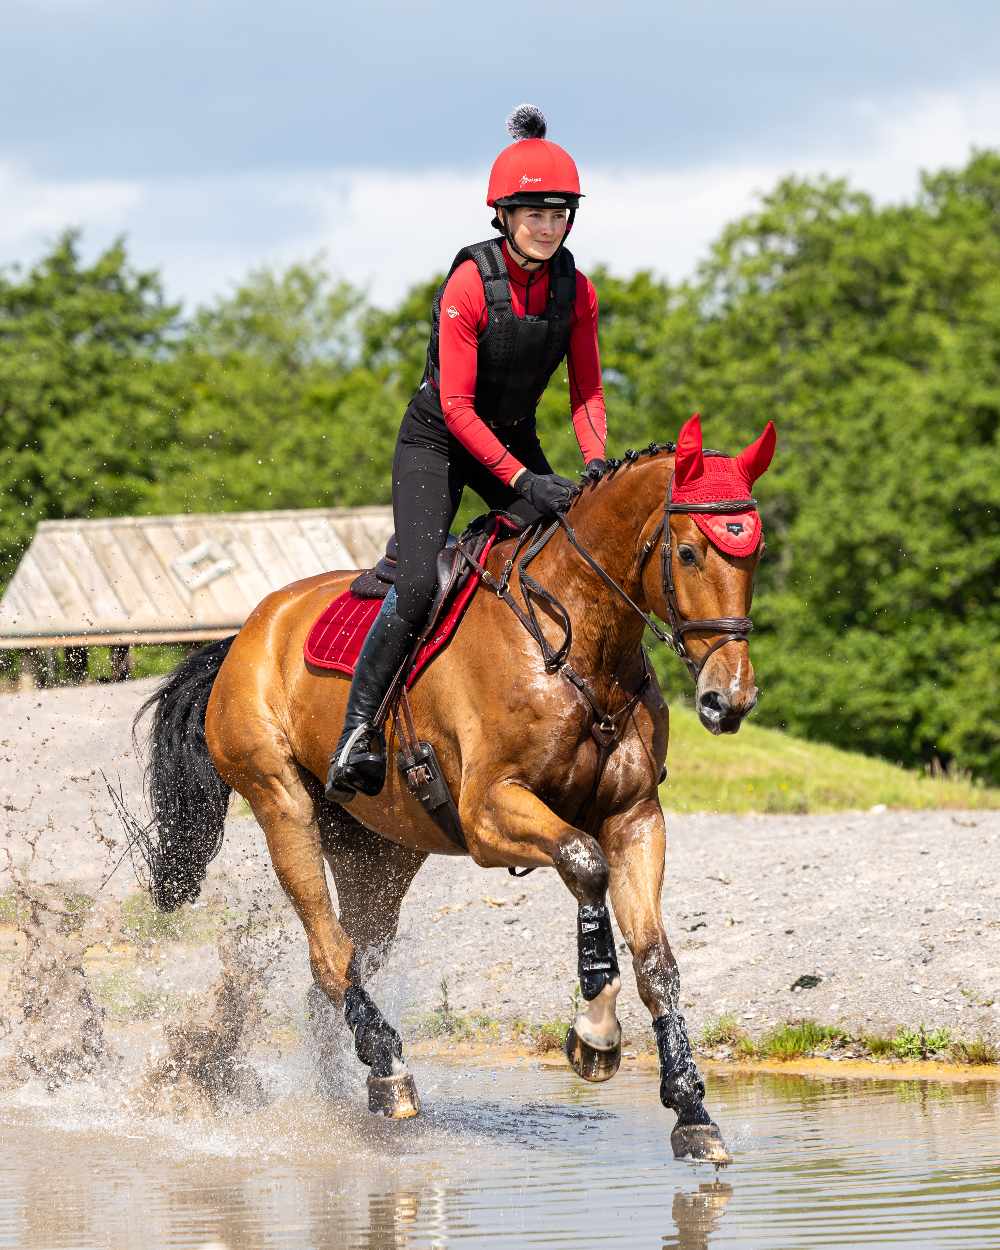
x=538 y=231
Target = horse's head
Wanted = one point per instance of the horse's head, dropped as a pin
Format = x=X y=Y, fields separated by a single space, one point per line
x=702 y=585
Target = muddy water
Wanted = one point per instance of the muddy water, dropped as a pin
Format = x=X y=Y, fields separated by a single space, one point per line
x=520 y=1158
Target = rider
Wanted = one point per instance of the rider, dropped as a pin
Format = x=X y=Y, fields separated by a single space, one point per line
x=513 y=310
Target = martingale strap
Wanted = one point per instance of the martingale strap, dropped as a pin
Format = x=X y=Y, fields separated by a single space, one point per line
x=608 y=727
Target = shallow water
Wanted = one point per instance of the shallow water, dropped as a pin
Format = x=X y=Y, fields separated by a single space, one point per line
x=518 y=1158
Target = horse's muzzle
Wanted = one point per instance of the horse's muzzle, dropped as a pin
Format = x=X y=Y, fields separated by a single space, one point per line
x=719 y=714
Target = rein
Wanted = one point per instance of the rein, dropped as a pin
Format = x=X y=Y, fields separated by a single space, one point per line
x=732 y=628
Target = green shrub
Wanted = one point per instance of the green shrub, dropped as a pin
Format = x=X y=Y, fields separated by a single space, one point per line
x=796 y=1039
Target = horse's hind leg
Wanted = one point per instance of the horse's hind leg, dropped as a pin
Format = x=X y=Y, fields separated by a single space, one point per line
x=285 y=807
x=372 y=876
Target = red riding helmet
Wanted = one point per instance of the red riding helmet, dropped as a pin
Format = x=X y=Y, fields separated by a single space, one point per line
x=533 y=169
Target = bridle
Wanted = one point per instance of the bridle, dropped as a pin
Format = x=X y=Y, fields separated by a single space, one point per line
x=730 y=628
x=532 y=541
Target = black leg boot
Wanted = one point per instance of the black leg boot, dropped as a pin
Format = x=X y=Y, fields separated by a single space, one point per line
x=358 y=760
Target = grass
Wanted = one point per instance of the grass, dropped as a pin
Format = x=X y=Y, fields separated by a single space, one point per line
x=978 y=1051
x=148 y=660
x=764 y=770
x=76 y=909
x=445 y=1021
x=918 y=1044
x=800 y=1039
x=478 y=1026
x=548 y=1036
x=722 y=1032
x=12 y=909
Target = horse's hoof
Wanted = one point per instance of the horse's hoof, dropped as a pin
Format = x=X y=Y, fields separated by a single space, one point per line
x=589 y=1062
x=395 y=1097
x=701 y=1142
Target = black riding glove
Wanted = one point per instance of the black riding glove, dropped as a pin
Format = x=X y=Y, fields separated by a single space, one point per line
x=548 y=493
x=595 y=469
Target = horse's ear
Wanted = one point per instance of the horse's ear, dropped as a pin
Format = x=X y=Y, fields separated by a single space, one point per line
x=754 y=460
x=689 y=463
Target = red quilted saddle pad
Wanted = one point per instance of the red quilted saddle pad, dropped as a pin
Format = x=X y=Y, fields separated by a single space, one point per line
x=336 y=638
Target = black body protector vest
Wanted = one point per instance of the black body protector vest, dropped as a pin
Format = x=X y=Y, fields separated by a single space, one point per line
x=517 y=355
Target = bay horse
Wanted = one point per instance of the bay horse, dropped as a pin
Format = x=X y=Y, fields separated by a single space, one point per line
x=553 y=746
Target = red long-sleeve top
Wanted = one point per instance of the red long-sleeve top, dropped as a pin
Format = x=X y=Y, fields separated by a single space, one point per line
x=464 y=317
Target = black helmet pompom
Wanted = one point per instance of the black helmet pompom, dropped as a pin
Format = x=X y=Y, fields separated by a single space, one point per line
x=526 y=122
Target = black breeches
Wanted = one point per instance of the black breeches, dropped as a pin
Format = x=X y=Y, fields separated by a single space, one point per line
x=429 y=472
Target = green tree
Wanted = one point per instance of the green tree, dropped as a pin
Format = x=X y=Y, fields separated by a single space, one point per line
x=870 y=336
x=277 y=408
x=84 y=397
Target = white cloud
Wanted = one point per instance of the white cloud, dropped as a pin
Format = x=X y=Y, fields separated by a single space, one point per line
x=386 y=230
x=35 y=211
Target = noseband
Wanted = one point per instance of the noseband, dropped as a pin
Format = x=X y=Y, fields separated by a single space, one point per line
x=730 y=628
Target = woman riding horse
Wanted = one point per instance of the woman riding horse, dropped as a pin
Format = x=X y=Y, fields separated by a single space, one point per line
x=513 y=311
x=553 y=756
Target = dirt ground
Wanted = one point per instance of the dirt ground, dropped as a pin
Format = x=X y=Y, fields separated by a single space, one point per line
x=896 y=914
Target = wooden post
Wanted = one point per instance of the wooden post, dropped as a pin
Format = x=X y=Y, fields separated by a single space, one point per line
x=121 y=663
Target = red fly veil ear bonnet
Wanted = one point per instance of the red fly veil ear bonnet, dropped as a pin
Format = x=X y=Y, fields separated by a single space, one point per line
x=702 y=478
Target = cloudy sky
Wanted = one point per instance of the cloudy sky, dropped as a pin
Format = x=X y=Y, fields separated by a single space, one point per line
x=223 y=134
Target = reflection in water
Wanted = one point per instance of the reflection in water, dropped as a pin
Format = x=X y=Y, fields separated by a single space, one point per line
x=697 y=1214
x=509 y=1160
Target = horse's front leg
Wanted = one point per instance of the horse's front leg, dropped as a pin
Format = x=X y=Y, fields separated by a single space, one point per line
x=635 y=842
x=518 y=828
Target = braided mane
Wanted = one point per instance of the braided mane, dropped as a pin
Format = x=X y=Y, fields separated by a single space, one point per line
x=612 y=465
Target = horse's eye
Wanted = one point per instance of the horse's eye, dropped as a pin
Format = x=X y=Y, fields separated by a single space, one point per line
x=686 y=554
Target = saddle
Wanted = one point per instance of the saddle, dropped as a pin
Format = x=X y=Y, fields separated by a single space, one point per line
x=337 y=636
x=453 y=572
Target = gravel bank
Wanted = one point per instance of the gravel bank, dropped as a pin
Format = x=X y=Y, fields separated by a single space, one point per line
x=896 y=913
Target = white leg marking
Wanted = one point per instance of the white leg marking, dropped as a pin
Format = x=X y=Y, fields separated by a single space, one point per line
x=597 y=1023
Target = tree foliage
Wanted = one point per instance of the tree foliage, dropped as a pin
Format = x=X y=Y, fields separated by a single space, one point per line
x=871 y=335
x=83 y=410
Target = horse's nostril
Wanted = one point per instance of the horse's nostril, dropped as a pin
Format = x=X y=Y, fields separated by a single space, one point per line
x=714 y=701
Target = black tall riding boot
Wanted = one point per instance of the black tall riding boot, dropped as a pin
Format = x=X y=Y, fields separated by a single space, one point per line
x=358 y=760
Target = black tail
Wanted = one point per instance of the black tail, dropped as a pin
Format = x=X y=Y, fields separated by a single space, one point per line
x=187 y=797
